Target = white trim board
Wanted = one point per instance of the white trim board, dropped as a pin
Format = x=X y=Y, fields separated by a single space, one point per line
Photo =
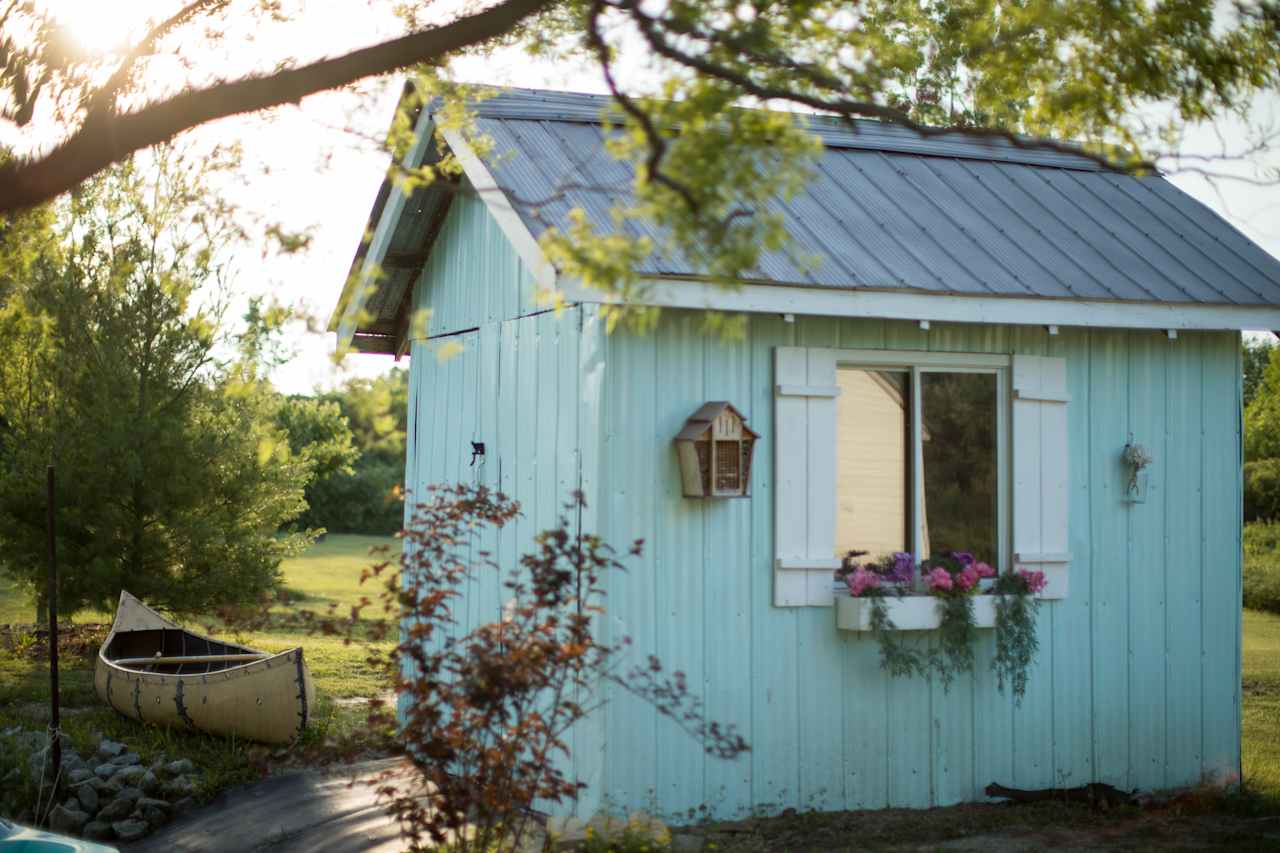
x=356 y=292
x=501 y=209
x=939 y=307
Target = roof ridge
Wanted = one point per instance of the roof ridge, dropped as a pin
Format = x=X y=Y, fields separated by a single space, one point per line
x=520 y=104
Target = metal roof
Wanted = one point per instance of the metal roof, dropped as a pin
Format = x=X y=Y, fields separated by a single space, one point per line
x=889 y=209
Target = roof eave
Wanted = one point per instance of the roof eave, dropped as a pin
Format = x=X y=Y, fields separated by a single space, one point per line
x=913 y=305
x=360 y=262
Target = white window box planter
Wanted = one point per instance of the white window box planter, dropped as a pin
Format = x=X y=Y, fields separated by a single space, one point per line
x=909 y=613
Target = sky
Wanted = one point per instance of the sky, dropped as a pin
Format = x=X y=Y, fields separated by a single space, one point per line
x=306 y=169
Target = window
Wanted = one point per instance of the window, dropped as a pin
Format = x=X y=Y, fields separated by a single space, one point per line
x=924 y=452
x=918 y=461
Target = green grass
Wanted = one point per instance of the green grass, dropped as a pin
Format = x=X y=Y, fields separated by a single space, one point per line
x=328 y=573
x=1260 y=745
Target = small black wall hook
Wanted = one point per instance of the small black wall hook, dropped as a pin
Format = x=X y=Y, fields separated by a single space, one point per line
x=477 y=452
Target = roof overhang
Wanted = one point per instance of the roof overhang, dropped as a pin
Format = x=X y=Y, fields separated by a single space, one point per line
x=388 y=207
x=934 y=307
x=372 y=253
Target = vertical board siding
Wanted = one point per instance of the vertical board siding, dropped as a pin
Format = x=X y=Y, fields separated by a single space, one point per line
x=1033 y=719
x=515 y=387
x=1137 y=681
x=473 y=276
x=770 y=721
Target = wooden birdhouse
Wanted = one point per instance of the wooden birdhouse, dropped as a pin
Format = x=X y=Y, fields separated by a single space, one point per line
x=715 y=450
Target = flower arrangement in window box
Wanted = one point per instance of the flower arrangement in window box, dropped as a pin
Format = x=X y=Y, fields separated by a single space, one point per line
x=884 y=598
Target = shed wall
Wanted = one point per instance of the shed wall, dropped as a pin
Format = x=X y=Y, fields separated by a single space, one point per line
x=1138 y=678
x=1137 y=683
x=473 y=276
x=528 y=389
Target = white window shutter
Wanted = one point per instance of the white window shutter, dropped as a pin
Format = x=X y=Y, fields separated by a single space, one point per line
x=804 y=427
x=1040 y=494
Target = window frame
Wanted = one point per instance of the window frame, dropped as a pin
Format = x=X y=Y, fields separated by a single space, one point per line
x=916 y=364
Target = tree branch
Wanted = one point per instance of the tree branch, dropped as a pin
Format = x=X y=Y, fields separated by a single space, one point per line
x=652 y=28
x=104 y=139
x=104 y=97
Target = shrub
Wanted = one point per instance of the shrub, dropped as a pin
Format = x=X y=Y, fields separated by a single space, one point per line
x=487 y=710
x=1262 y=566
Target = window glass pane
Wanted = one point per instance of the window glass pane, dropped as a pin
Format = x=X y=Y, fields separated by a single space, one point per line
x=960 y=480
x=873 y=441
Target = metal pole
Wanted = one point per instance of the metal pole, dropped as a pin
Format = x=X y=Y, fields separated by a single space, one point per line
x=55 y=732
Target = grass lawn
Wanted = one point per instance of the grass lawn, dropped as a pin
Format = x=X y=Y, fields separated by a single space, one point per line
x=328 y=573
x=1260 y=742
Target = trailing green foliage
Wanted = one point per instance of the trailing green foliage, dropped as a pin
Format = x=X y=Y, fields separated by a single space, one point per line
x=952 y=580
x=953 y=652
x=895 y=657
x=1016 y=642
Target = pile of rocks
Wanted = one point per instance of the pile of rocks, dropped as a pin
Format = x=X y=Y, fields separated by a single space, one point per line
x=113 y=795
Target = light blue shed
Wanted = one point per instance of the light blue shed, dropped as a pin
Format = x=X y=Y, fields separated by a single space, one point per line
x=1064 y=309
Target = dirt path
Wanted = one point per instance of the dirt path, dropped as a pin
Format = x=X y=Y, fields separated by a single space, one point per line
x=310 y=811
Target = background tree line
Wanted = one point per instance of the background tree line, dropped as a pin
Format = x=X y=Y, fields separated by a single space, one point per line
x=1261 y=386
x=364 y=494
x=182 y=474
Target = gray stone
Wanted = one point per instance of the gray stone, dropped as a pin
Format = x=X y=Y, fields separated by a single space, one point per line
x=65 y=820
x=153 y=802
x=130 y=794
x=154 y=812
x=179 y=767
x=80 y=775
x=149 y=783
x=130 y=830
x=115 y=810
x=130 y=775
x=71 y=761
x=109 y=748
x=179 y=787
x=88 y=798
x=105 y=771
x=183 y=806
x=127 y=759
x=96 y=830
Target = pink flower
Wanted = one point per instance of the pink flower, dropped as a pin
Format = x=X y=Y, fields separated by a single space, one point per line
x=968 y=578
x=939 y=580
x=1035 y=581
x=983 y=570
x=861 y=580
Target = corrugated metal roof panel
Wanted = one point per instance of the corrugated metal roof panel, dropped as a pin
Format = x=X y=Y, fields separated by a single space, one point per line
x=889 y=209
x=867 y=134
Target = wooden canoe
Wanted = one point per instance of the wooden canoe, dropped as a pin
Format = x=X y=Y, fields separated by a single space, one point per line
x=153 y=670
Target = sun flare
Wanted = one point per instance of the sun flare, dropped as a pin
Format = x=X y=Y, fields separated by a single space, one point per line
x=100 y=26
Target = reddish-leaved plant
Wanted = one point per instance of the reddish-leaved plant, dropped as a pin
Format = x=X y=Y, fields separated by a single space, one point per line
x=485 y=711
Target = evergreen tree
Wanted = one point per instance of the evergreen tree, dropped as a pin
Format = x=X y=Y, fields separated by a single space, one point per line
x=174 y=474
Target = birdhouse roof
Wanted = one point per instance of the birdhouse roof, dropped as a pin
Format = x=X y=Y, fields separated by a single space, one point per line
x=700 y=421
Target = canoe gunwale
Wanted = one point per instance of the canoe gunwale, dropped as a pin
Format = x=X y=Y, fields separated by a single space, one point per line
x=221 y=674
x=132 y=607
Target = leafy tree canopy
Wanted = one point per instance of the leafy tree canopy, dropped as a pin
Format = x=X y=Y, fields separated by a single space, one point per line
x=1126 y=78
x=366 y=496
x=175 y=469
